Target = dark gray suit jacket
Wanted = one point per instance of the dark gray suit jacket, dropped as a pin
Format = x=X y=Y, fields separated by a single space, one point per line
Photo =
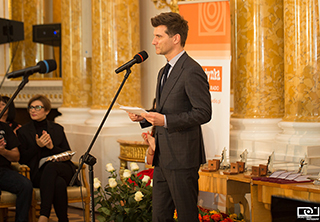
x=186 y=103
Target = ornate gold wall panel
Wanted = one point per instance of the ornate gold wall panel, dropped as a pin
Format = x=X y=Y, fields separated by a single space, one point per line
x=172 y=4
x=56 y=10
x=28 y=53
x=116 y=39
x=76 y=68
x=257 y=58
x=302 y=61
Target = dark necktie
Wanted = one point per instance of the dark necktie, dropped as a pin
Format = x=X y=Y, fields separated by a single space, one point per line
x=164 y=76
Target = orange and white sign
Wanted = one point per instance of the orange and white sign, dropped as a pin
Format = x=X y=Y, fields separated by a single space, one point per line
x=208 y=42
x=214 y=74
x=209 y=28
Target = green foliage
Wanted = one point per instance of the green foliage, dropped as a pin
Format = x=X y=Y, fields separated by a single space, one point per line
x=121 y=201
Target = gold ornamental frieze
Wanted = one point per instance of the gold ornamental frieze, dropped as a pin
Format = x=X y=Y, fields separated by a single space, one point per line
x=132 y=150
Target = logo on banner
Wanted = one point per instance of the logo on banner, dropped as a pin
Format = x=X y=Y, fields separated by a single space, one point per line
x=214 y=74
x=213 y=19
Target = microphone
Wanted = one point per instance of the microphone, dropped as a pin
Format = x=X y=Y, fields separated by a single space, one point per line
x=44 y=66
x=138 y=58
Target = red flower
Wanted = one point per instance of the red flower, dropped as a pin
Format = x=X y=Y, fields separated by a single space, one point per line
x=203 y=209
x=206 y=215
x=216 y=217
x=227 y=220
x=206 y=218
x=224 y=215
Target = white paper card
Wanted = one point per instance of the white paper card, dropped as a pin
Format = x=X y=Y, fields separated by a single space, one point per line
x=293 y=176
x=303 y=178
x=277 y=173
x=284 y=175
x=134 y=110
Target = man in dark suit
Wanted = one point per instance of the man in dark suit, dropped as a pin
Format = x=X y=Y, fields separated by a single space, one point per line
x=183 y=104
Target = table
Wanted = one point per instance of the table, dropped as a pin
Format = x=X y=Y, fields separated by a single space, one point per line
x=261 y=192
x=233 y=186
x=236 y=186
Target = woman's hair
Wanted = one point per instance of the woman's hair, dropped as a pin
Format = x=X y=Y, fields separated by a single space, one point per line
x=11 y=109
x=45 y=101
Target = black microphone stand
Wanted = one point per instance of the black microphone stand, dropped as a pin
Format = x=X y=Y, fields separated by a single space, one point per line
x=25 y=80
x=91 y=160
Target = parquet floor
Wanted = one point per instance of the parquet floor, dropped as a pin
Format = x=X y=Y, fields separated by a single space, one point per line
x=75 y=215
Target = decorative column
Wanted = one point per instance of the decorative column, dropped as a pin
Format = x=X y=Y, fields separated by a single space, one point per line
x=257 y=69
x=116 y=39
x=4 y=48
x=301 y=122
x=76 y=63
x=27 y=53
x=56 y=11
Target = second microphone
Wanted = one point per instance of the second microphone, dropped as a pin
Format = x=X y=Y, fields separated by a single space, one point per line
x=138 y=58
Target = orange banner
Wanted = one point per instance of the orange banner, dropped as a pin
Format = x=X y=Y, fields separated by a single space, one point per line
x=209 y=25
x=208 y=42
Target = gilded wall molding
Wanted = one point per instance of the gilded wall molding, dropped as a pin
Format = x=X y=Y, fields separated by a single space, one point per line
x=173 y=4
x=52 y=89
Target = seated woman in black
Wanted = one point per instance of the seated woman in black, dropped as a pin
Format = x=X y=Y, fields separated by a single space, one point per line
x=42 y=138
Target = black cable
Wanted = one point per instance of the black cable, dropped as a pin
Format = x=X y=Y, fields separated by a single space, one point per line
x=82 y=202
x=54 y=57
x=13 y=55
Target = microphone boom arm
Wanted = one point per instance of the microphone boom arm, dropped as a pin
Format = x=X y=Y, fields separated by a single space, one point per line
x=89 y=159
x=24 y=81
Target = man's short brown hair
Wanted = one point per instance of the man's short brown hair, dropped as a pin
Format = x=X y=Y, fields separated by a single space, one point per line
x=175 y=24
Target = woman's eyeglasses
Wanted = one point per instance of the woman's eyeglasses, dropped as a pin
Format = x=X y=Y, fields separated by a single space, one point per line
x=35 y=107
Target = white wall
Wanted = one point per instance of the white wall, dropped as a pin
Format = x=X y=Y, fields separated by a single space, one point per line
x=149 y=68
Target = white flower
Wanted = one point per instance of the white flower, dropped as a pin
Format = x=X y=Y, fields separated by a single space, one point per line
x=138 y=196
x=110 y=167
x=145 y=179
x=151 y=183
x=134 y=166
x=112 y=182
x=96 y=183
x=126 y=174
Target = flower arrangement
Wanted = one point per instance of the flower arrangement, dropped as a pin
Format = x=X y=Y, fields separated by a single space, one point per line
x=127 y=200
x=206 y=215
x=130 y=199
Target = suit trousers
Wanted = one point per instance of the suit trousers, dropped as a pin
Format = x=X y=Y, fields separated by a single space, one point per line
x=175 y=189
